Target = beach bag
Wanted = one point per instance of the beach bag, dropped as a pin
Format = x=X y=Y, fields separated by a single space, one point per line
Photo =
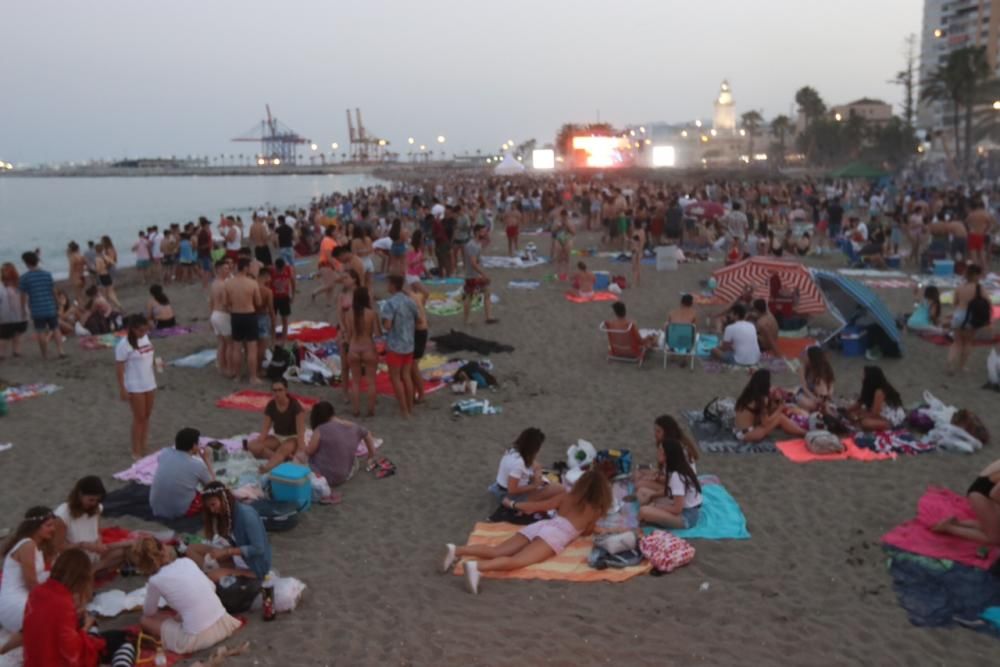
x=666 y=551
x=969 y=422
x=719 y=411
x=977 y=315
x=823 y=442
x=238 y=596
x=614 y=462
x=281 y=359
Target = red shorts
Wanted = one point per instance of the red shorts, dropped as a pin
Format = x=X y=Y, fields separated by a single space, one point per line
x=977 y=241
x=475 y=285
x=195 y=508
x=397 y=360
x=513 y=231
x=233 y=254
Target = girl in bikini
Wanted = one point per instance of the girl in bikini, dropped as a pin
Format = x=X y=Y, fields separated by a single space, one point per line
x=758 y=415
x=984 y=496
x=816 y=376
x=879 y=408
x=577 y=513
x=349 y=282
x=362 y=326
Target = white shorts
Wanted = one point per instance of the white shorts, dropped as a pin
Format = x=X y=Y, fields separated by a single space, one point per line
x=369 y=264
x=175 y=639
x=221 y=323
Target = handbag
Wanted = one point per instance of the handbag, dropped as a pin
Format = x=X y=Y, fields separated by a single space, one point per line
x=238 y=596
x=666 y=551
x=823 y=442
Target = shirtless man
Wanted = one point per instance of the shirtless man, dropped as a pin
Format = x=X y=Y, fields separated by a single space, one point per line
x=512 y=225
x=243 y=300
x=683 y=314
x=77 y=269
x=348 y=260
x=219 y=316
x=766 y=324
x=980 y=224
x=265 y=314
x=584 y=280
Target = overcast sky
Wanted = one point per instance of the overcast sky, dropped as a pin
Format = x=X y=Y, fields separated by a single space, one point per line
x=117 y=78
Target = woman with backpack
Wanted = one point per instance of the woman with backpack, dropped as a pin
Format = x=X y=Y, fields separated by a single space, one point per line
x=972 y=312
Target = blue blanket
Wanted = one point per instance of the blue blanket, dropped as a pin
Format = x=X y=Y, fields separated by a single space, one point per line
x=721 y=517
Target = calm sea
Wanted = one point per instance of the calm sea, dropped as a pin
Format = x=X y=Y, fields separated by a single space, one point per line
x=47 y=213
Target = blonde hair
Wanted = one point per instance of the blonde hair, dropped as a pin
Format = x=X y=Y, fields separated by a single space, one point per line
x=592 y=491
x=147 y=556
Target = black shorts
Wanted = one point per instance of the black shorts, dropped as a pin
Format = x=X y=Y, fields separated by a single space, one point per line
x=105 y=280
x=10 y=329
x=283 y=305
x=244 y=327
x=263 y=255
x=419 y=343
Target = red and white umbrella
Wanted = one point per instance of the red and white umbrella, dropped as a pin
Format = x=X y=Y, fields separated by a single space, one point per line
x=757 y=271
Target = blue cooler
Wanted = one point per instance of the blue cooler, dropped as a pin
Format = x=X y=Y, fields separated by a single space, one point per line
x=603 y=280
x=853 y=342
x=944 y=267
x=290 y=483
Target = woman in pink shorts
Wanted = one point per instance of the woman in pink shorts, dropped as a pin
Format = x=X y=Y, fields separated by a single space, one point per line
x=576 y=514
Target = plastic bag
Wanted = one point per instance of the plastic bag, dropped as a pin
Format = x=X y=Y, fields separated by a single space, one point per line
x=287 y=593
x=320 y=487
x=993 y=367
x=954 y=438
x=938 y=411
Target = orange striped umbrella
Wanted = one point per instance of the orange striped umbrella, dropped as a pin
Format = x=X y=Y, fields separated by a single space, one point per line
x=757 y=271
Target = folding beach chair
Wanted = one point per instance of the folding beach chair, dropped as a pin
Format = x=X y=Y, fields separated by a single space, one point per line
x=625 y=344
x=680 y=340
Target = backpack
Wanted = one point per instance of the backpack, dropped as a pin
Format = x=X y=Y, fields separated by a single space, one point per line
x=978 y=313
x=238 y=597
x=719 y=411
x=281 y=359
x=666 y=551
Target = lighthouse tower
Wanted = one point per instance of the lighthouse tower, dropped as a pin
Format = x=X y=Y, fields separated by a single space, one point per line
x=725 y=112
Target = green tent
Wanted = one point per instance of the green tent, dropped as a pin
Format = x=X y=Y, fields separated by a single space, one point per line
x=858 y=170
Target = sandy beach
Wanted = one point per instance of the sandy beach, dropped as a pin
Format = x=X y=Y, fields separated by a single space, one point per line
x=809 y=588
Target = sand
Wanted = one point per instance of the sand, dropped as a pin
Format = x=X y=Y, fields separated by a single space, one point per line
x=787 y=596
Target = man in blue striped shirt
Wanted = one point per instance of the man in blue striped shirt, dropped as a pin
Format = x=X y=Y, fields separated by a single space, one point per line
x=38 y=292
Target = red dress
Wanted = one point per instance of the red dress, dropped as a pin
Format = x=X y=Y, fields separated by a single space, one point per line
x=52 y=635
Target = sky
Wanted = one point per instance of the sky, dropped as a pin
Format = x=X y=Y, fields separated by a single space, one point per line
x=120 y=78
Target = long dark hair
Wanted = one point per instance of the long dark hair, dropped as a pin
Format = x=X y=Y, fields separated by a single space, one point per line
x=528 y=444
x=32 y=521
x=873 y=380
x=133 y=323
x=417 y=239
x=216 y=524
x=675 y=461
x=157 y=292
x=818 y=367
x=360 y=303
x=755 y=394
x=672 y=431
x=933 y=296
x=91 y=485
x=592 y=490
x=395 y=230
x=320 y=414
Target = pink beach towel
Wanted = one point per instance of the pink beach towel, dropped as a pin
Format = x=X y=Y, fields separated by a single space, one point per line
x=598 y=296
x=796 y=451
x=917 y=537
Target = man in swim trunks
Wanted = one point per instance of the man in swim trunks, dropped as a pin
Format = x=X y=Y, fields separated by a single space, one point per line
x=400 y=315
x=219 y=317
x=476 y=280
x=243 y=300
x=980 y=224
x=512 y=225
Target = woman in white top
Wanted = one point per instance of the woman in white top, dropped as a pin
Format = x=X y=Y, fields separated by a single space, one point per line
x=201 y=619
x=137 y=379
x=519 y=476
x=24 y=567
x=79 y=525
x=678 y=505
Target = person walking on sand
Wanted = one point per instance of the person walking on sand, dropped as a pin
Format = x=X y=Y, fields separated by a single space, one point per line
x=219 y=317
x=420 y=334
x=134 y=357
x=512 y=226
x=972 y=312
x=399 y=322
x=476 y=280
x=980 y=223
x=38 y=294
x=243 y=300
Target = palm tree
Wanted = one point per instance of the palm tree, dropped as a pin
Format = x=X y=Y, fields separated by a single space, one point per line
x=751 y=122
x=810 y=103
x=780 y=127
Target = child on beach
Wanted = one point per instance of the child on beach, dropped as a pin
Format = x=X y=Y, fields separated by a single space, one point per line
x=677 y=501
x=879 y=408
x=519 y=476
x=577 y=512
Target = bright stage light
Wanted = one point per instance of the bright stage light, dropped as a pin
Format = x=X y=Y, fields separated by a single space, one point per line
x=664 y=156
x=601 y=151
x=543 y=158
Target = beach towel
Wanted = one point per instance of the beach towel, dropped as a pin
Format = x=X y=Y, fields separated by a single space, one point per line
x=917 y=537
x=716 y=439
x=797 y=452
x=4 y=446
x=197 y=360
x=570 y=565
x=317 y=334
x=170 y=332
x=102 y=342
x=596 y=296
x=706 y=343
x=251 y=400
x=524 y=284
x=22 y=392
x=888 y=283
x=450 y=282
x=496 y=262
x=720 y=518
x=872 y=273
x=792 y=348
x=941 y=593
x=383 y=385
x=456 y=341
x=449 y=305
x=899 y=441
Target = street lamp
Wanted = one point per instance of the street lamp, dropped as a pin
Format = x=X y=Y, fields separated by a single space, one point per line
x=440 y=138
x=335 y=145
x=996 y=105
x=684 y=133
x=697 y=123
x=423 y=147
x=743 y=132
x=410 y=141
x=313 y=146
x=837 y=117
x=713 y=132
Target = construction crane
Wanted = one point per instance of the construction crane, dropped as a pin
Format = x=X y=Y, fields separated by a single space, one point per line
x=277 y=141
x=364 y=147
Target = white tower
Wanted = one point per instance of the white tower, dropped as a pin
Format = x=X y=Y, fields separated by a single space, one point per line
x=725 y=112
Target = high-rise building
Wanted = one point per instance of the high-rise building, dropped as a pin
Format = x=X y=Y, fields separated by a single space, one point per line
x=950 y=25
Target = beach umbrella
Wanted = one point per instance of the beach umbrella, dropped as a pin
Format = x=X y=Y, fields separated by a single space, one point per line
x=854 y=304
x=705 y=209
x=757 y=272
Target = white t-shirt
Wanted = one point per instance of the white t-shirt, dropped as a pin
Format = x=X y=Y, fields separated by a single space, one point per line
x=692 y=497
x=512 y=465
x=237 y=241
x=188 y=592
x=743 y=336
x=139 y=374
x=83 y=528
x=155 y=241
x=863 y=231
x=437 y=211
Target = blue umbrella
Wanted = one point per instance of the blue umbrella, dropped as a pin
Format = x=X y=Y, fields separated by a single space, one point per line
x=854 y=304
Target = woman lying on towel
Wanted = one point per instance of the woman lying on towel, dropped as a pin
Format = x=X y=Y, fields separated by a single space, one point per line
x=758 y=414
x=577 y=513
x=677 y=501
x=879 y=408
x=984 y=496
x=519 y=476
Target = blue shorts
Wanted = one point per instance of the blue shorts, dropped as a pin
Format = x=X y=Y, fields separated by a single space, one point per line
x=142 y=264
x=500 y=493
x=287 y=254
x=691 y=515
x=48 y=323
x=264 y=328
x=205 y=263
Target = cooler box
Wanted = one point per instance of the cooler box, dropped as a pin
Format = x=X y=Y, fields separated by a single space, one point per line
x=290 y=483
x=666 y=258
x=853 y=342
x=944 y=267
x=603 y=279
x=893 y=261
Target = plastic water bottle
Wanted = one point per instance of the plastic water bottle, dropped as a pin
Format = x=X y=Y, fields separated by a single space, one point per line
x=161 y=657
x=267 y=593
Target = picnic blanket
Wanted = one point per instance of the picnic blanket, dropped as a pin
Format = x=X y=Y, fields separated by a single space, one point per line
x=311 y=332
x=720 y=519
x=102 y=342
x=888 y=283
x=497 y=262
x=22 y=392
x=570 y=565
x=197 y=360
x=945 y=340
x=447 y=305
x=171 y=332
x=720 y=440
x=917 y=537
x=941 y=593
x=596 y=296
x=252 y=400
x=797 y=452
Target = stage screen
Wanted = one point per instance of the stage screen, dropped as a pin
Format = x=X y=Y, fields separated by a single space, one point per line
x=543 y=158
x=600 y=151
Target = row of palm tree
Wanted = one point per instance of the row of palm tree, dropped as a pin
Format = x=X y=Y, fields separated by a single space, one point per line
x=781 y=127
